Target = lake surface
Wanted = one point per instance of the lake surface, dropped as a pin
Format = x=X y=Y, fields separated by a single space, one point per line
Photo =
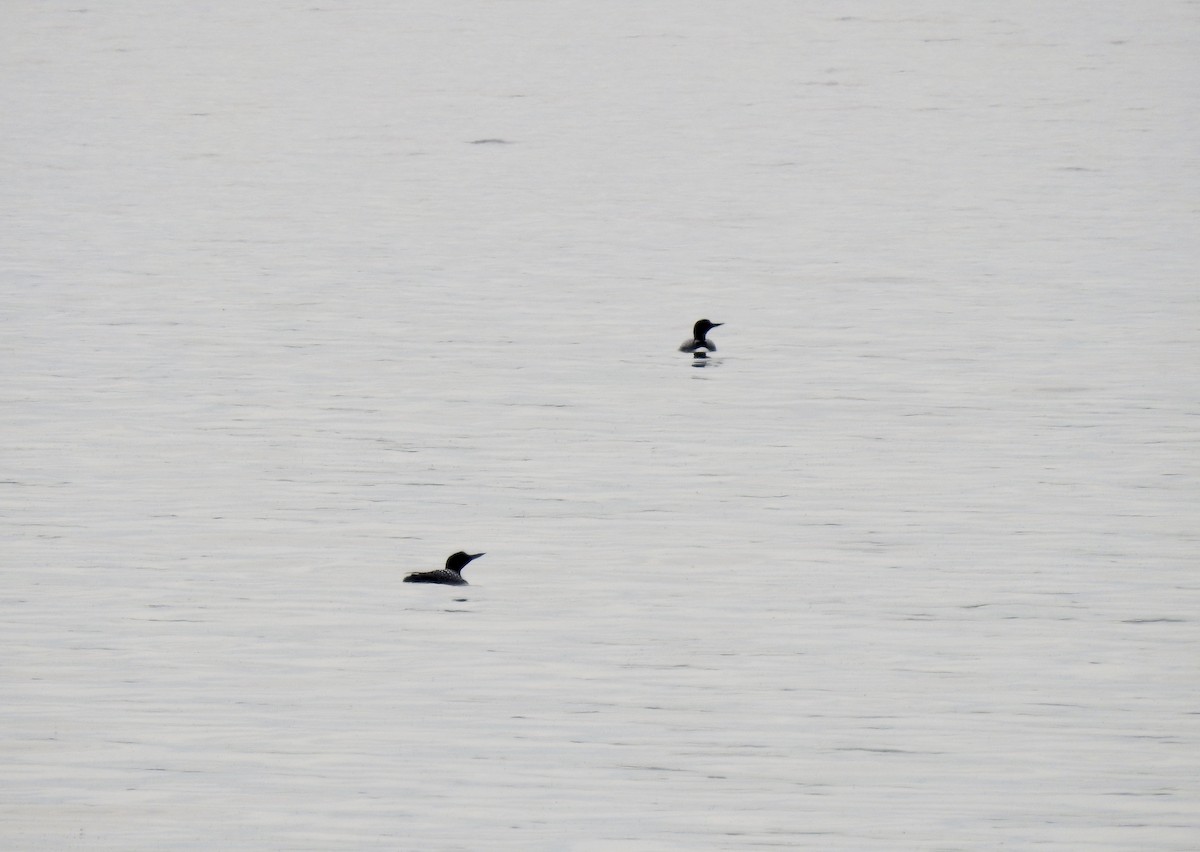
x=299 y=298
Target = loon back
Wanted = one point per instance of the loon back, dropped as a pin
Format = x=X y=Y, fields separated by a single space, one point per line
x=441 y=576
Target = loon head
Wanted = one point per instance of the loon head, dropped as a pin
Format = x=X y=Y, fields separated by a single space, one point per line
x=703 y=327
x=458 y=561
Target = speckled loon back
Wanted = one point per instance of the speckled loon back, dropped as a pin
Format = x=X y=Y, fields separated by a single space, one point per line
x=441 y=575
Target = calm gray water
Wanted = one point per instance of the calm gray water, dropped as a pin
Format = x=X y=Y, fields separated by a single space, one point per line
x=299 y=298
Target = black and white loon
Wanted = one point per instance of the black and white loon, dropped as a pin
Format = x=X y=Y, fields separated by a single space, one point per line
x=451 y=575
x=699 y=341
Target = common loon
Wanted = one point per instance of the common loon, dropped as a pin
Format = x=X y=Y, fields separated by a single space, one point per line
x=699 y=341
x=451 y=575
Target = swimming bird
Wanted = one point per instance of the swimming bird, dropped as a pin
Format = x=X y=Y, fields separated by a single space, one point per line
x=699 y=341
x=451 y=575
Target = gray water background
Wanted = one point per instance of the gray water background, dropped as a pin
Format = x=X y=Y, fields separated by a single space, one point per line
x=300 y=297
